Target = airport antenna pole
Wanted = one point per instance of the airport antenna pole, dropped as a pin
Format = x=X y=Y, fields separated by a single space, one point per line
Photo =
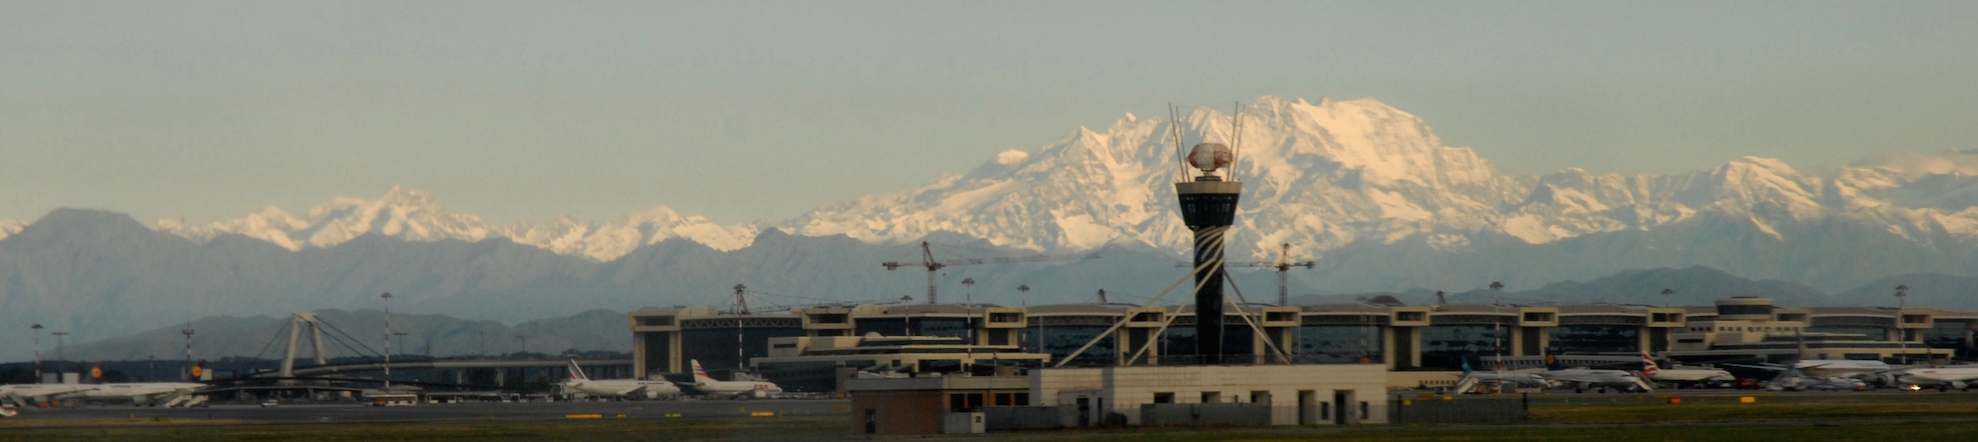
x=1025 y=289
x=1902 y=335
x=1668 y=334
x=37 y=351
x=387 y=298
x=61 y=356
x=1497 y=328
x=188 y=352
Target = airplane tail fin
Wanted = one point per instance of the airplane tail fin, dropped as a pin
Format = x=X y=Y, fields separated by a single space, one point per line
x=1648 y=365
x=1552 y=363
x=576 y=372
x=700 y=375
x=1466 y=365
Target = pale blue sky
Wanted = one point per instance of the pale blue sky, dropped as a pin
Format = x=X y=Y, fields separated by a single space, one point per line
x=744 y=111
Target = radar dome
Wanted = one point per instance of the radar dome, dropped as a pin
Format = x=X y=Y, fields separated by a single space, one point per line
x=1210 y=156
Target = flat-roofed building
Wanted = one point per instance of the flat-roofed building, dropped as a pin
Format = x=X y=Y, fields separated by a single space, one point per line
x=823 y=363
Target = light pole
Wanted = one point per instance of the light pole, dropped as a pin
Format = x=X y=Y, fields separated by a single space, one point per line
x=1025 y=290
x=970 y=296
x=1668 y=334
x=522 y=341
x=60 y=356
x=1902 y=336
x=187 y=331
x=37 y=352
x=1497 y=328
x=387 y=298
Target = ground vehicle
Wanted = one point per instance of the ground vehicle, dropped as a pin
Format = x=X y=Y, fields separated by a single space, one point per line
x=271 y=403
x=1748 y=384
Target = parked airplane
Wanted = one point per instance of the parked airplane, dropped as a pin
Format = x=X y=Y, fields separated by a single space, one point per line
x=710 y=387
x=28 y=395
x=1828 y=374
x=1945 y=378
x=1584 y=378
x=1680 y=376
x=1473 y=379
x=1839 y=367
x=630 y=388
x=168 y=394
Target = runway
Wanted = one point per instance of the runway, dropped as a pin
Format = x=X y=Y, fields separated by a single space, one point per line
x=354 y=412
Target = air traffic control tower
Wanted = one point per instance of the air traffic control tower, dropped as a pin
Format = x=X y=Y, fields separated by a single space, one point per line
x=1208 y=207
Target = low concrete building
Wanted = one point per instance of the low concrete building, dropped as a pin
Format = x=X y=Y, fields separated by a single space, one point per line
x=920 y=405
x=1288 y=394
x=801 y=361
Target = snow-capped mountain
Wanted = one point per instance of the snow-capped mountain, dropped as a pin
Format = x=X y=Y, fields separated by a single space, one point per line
x=8 y=227
x=1334 y=173
x=415 y=215
x=1321 y=176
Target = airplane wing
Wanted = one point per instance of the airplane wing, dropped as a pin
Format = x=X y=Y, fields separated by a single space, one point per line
x=1769 y=367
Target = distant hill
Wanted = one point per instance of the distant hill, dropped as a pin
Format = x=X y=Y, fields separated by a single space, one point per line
x=1925 y=290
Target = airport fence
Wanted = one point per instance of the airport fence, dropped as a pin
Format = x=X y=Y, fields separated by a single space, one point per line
x=1465 y=410
x=1205 y=414
x=1021 y=418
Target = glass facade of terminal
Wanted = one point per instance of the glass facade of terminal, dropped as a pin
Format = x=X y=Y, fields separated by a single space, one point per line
x=1447 y=346
x=1593 y=339
x=1338 y=344
x=1060 y=341
x=715 y=347
x=936 y=326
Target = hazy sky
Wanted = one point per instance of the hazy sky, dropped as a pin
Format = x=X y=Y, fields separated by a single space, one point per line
x=744 y=111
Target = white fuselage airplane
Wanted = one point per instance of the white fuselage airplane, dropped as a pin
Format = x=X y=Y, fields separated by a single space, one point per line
x=1682 y=375
x=1958 y=377
x=30 y=394
x=631 y=388
x=141 y=393
x=1822 y=368
x=1584 y=378
x=708 y=386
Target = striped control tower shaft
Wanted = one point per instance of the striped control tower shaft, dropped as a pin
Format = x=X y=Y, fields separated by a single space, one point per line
x=1208 y=207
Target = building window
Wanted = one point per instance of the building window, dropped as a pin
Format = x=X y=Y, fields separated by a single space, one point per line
x=1164 y=398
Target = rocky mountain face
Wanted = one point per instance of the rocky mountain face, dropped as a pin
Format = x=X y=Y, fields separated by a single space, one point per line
x=1365 y=189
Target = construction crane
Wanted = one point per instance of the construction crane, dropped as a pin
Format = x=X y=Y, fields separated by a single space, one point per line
x=1283 y=264
x=933 y=266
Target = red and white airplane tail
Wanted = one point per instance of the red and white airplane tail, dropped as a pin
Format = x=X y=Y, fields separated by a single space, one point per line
x=700 y=375
x=1648 y=365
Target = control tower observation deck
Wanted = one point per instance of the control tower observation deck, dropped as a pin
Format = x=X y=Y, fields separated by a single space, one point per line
x=1208 y=207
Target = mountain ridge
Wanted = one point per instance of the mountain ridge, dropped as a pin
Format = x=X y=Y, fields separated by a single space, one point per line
x=1366 y=190
x=1320 y=175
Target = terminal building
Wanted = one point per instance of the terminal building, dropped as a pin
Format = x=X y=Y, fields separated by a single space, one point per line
x=1399 y=337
